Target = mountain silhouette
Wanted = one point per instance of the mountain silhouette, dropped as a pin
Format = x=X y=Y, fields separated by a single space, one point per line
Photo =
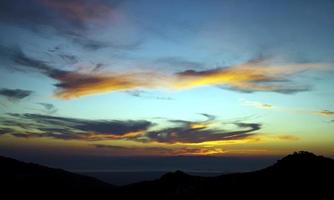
x=18 y=178
x=301 y=174
x=297 y=175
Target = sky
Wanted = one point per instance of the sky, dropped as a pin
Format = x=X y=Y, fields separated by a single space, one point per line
x=150 y=78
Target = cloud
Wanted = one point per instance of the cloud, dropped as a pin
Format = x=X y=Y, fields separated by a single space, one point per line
x=80 y=83
x=73 y=20
x=326 y=113
x=15 y=57
x=49 y=108
x=77 y=84
x=78 y=11
x=160 y=151
x=256 y=104
x=178 y=62
x=179 y=131
x=247 y=77
x=37 y=125
x=68 y=59
x=242 y=78
x=62 y=15
x=146 y=95
x=15 y=94
x=259 y=105
x=288 y=137
x=200 y=131
x=251 y=76
x=5 y=131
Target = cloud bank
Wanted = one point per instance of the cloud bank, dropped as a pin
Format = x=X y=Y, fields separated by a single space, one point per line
x=251 y=76
x=179 y=131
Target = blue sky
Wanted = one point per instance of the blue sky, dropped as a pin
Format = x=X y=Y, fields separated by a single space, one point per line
x=158 y=78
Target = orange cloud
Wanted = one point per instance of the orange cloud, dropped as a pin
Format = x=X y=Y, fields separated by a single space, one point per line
x=161 y=151
x=247 y=77
x=77 y=84
x=326 y=113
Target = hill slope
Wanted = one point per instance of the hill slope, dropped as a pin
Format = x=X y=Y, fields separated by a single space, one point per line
x=18 y=177
x=300 y=174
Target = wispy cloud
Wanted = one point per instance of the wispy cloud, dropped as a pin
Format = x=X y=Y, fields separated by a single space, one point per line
x=160 y=151
x=37 y=125
x=256 y=104
x=251 y=76
x=15 y=94
x=259 y=105
x=287 y=137
x=179 y=131
x=326 y=113
x=72 y=20
x=48 y=108
x=201 y=131
x=178 y=63
x=146 y=95
x=239 y=78
x=60 y=14
x=78 y=11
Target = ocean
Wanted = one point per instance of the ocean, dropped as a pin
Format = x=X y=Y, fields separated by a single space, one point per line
x=128 y=177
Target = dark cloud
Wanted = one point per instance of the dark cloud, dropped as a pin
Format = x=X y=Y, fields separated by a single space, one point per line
x=30 y=14
x=161 y=151
x=115 y=127
x=48 y=108
x=187 y=134
x=15 y=94
x=62 y=15
x=37 y=125
x=104 y=146
x=69 y=19
x=210 y=117
x=14 y=57
x=200 y=131
x=5 y=131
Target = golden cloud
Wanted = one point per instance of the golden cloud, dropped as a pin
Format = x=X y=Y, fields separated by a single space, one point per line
x=248 y=77
x=77 y=84
x=161 y=151
x=326 y=113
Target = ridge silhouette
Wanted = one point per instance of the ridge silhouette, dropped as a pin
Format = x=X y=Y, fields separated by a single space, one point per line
x=301 y=174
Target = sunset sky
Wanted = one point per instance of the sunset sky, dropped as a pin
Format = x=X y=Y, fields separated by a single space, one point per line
x=166 y=78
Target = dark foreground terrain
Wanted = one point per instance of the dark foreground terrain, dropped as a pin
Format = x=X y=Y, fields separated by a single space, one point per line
x=297 y=175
